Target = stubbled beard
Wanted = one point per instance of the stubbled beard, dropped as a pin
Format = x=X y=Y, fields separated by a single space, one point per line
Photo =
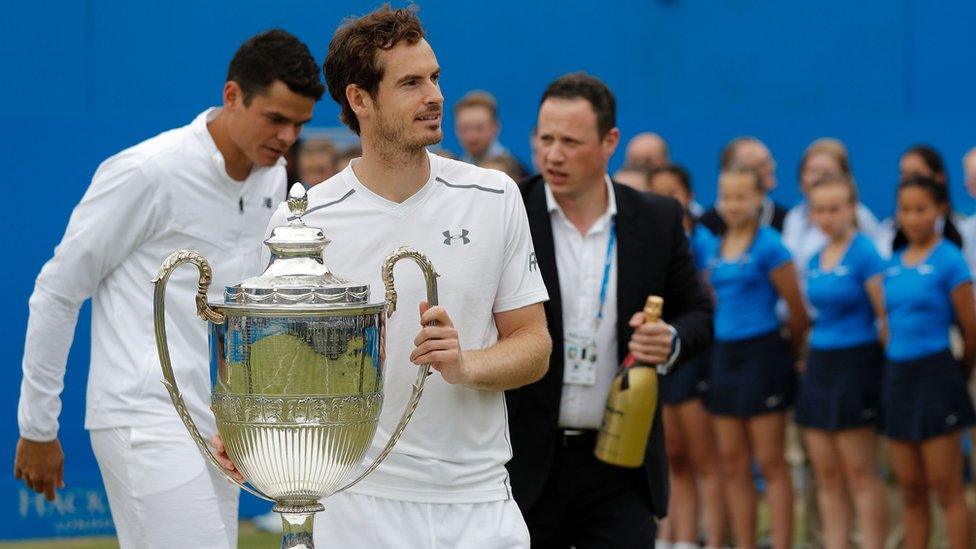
x=399 y=135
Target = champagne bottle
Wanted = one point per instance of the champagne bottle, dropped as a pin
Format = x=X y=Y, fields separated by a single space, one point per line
x=630 y=407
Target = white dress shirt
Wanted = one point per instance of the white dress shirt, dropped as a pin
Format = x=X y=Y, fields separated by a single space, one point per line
x=580 y=261
x=166 y=193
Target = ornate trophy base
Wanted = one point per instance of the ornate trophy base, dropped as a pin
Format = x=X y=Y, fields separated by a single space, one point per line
x=296 y=521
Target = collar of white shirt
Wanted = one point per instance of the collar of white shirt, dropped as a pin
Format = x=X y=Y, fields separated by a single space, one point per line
x=601 y=223
x=199 y=127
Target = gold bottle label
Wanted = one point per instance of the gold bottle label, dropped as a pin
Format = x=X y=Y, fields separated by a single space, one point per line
x=629 y=412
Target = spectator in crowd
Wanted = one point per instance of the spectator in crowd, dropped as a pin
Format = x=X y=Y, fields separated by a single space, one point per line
x=647 y=149
x=925 y=161
x=967 y=227
x=636 y=177
x=505 y=164
x=839 y=399
x=534 y=146
x=689 y=437
x=210 y=186
x=317 y=159
x=825 y=157
x=927 y=289
x=602 y=248
x=650 y=151
x=969 y=170
x=349 y=154
x=477 y=127
x=752 y=379
x=444 y=152
x=749 y=153
x=922 y=161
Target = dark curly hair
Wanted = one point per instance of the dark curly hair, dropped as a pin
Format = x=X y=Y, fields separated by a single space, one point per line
x=275 y=55
x=353 y=53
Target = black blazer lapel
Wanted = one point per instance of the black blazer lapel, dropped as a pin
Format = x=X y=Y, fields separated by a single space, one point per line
x=631 y=262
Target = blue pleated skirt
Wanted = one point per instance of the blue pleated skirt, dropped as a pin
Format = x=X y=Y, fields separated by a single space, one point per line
x=688 y=381
x=841 y=388
x=925 y=398
x=752 y=376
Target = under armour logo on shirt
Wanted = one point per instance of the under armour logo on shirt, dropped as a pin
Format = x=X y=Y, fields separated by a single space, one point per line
x=533 y=262
x=268 y=203
x=449 y=238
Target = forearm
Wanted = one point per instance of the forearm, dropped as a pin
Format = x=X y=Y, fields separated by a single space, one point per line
x=968 y=357
x=50 y=330
x=798 y=324
x=519 y=359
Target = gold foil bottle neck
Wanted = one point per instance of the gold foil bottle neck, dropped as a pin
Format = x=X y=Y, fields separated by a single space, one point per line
x=653 y=307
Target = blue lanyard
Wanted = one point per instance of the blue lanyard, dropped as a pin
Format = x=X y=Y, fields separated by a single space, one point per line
x=606 y=266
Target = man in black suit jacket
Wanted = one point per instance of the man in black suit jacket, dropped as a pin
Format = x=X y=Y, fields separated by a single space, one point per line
x=752 y=154
x=584 y=226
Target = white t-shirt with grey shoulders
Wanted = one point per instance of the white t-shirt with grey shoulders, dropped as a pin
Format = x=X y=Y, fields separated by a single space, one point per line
x=472 y=225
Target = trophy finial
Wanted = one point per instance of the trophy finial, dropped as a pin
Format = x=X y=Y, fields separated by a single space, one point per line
x=297 y=201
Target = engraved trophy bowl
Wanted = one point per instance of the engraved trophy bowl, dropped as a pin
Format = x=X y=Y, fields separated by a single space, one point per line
x=297 y=356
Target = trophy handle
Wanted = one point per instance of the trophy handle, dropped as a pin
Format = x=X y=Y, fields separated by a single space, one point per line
x=430 y=275
x=205 y=312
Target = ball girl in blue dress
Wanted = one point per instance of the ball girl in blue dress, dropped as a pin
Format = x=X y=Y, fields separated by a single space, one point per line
x=927 y=289
x=752 y=379
x=839 y=400
x=689 y=438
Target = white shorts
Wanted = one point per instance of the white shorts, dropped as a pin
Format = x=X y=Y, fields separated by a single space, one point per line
x=161 y=491
x=354 y=521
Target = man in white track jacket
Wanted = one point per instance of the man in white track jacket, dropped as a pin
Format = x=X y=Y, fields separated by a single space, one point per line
x=210 y=186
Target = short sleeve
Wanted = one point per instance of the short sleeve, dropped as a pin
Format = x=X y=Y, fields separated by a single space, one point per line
x=521 y=281
x=869 y=262
x=955 y=270
x=770 y=250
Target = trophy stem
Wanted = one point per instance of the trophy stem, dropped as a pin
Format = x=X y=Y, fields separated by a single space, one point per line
x=297 y=525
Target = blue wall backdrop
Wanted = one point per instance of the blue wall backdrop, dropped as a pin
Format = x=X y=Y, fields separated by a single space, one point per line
x=84 y=79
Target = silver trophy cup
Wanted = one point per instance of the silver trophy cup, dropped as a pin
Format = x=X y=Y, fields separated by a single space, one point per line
x=297 y=357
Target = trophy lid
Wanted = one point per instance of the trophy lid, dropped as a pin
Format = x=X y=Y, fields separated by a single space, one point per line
x=297 y=274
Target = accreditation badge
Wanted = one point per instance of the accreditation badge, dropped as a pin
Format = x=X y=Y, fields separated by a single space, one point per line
x=579 y=352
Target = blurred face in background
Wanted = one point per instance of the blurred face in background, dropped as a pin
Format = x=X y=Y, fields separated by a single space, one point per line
x=832 y=208
x=316 y=165
x=635 y=179
x=739 y=198
x=571 y=151
x=668 y=184
x=969 y=170
x=913 y=165
x=476 y=129
x=753 y=155
x=648 y=150
x=818 y=166
x=917 y=213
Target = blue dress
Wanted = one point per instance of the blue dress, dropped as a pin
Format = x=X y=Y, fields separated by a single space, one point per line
x=752 y=366
x=924 y=389
x=841 y=388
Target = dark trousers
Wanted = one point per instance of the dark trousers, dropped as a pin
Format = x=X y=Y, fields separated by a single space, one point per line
x=588 y=504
